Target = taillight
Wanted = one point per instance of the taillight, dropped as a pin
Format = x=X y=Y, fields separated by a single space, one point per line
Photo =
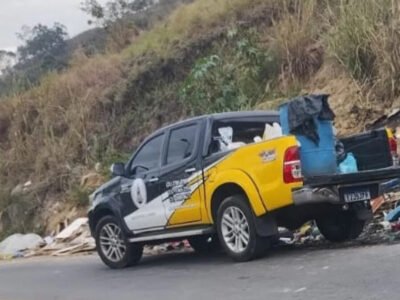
x=292 y=165
x=393 y=150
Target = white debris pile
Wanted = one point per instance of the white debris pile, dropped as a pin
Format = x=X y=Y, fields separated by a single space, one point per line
x=73 y=239
x=16 y=245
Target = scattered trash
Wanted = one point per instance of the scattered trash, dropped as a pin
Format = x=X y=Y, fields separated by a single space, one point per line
x=272 y=132
x=377 y=203
x=393 y=215
x=349 y=165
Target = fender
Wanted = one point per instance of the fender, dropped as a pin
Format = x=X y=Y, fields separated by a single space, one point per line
x=112 y=204
x=240 y=178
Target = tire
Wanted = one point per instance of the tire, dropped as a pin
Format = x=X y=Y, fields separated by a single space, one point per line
x=205 y=244
x=113 y=246
x=340 y=226
x=233 y=211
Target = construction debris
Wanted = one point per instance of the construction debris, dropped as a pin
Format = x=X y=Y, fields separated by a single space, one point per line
x=73 y=239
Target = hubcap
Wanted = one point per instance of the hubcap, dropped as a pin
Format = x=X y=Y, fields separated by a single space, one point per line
x=112 y=243
x=235 y=229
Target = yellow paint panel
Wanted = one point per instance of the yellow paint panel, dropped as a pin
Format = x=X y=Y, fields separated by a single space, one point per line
x=256 y=168
x=189 y=211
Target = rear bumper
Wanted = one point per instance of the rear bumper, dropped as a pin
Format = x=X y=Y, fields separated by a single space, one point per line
x=308 y=195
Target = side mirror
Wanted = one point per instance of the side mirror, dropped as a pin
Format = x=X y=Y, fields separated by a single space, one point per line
x=118 y=169
x=139 y=169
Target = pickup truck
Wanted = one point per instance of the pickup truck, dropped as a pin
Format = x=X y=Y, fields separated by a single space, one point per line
x=186 y=182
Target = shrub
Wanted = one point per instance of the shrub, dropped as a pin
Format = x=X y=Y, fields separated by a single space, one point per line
x=365 y=38
x=234 y=79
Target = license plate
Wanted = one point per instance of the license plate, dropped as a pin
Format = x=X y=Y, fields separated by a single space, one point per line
x=356 y=196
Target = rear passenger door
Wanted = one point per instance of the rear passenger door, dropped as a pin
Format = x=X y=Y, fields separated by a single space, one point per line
x=181 y=176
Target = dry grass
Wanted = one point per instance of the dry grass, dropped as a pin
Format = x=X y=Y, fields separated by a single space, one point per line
x=365 y=38
x=191 y=20
x=54 y=124
x=294 y=39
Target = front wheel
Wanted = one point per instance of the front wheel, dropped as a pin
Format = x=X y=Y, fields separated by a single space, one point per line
x=237 y=231
x=340 y=226
x=112 y=245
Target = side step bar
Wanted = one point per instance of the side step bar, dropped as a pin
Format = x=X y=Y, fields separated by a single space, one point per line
x=172 y=235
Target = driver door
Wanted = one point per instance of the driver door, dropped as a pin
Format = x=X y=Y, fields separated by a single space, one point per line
x=140 y=190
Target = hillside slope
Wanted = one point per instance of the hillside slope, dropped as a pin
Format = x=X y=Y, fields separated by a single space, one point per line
x=209 y=55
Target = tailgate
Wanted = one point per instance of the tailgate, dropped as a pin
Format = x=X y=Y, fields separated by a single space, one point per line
x=353 y=178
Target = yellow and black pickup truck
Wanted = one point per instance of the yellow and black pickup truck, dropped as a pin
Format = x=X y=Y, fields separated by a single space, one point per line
x=186 y=181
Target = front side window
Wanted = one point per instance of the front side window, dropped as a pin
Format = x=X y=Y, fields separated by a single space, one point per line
x=181 y=143
x=148 y=157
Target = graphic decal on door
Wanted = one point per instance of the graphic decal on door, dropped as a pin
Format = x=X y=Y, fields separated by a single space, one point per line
x=153 y=214
x=139 y=193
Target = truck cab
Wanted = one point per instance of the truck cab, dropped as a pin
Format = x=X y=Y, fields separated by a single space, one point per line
x=215 y=181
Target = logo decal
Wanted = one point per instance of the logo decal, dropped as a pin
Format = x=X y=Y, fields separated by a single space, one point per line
x=139 y=193
x=268 y=155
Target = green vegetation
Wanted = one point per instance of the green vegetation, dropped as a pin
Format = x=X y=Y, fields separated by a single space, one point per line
x=233 y=79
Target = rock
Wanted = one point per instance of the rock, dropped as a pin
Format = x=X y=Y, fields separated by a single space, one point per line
x=16 y=243
x=21 y=188
x=27 y=185
x=98 y=167
x=18 y=190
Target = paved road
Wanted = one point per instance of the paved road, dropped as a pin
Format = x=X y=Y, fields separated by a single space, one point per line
x=371 y=272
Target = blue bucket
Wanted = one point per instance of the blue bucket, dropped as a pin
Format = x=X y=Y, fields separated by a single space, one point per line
x=315 y=159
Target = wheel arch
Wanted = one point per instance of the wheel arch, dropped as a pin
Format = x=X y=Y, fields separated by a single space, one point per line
x=235 y=182
x=97 y=214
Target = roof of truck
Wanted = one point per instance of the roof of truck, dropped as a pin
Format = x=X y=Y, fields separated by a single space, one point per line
x=243 y=114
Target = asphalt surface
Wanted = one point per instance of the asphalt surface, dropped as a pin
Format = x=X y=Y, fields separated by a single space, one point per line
x=371 y=272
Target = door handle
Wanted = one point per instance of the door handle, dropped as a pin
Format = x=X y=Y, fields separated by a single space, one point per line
x=153 y=179
x=190 y=170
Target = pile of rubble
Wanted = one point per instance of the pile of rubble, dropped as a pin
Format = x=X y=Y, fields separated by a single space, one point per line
x=73 y=239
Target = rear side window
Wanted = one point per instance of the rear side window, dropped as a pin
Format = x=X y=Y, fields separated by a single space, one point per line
x=181 y=143
x=149 y=155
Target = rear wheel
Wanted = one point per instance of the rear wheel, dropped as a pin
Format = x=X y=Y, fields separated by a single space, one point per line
x=205 y=244
x=112 y=245
x=237 y=231
x=340 y=226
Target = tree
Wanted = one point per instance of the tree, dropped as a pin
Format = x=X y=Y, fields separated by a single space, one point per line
x=44 y=49
x=115 y=17
x=7 y=60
